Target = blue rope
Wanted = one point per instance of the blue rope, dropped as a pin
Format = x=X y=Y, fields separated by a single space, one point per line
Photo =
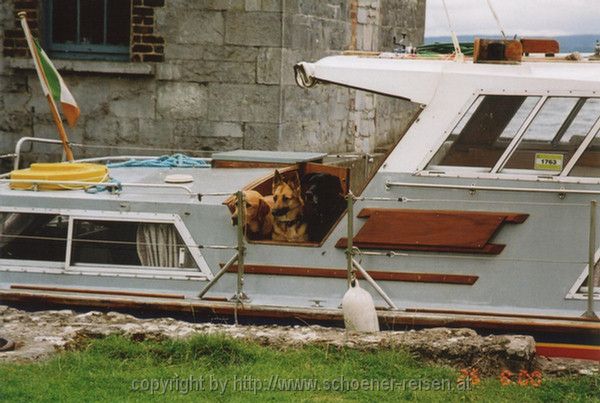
x=102 y=188
x=165 y=161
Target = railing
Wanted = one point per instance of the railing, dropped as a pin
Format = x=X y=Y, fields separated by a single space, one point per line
x=240 y=297
x=589 y=313
x=17 y=154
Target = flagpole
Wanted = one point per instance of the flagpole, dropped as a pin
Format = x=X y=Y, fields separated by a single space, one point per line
x=44 y=81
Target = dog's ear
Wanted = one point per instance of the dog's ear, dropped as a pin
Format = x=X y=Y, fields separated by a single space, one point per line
x=263 y=209
x=294 y=181
x=232 y=203
x=277 y=179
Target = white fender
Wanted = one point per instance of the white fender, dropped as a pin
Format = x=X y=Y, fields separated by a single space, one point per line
x=359 y=310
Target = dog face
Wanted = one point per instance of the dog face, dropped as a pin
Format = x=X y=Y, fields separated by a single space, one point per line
x=323 y=203
x=322 y=194
x=287 y=209
x=256 y=211
x=287 y=198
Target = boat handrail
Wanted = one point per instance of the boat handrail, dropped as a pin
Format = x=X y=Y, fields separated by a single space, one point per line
x=22 y=141
x=17 y=154
x=112 y=185
x=474 y=188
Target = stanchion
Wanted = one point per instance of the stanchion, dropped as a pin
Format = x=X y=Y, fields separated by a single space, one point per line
x=349 y=247
x=239 y=296
x=591 y=262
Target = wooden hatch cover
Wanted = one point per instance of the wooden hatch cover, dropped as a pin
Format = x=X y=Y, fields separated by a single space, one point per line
x=431 y=230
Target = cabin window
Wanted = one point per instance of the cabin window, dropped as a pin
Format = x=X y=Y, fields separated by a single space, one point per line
x=88 y=29
x=485 y=131
x=25 y=236
x=588 y=165
x=554 y=135
x=129 y=244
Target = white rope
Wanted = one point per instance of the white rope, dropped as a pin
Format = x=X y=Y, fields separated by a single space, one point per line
x=459 y=55
x=489 y=2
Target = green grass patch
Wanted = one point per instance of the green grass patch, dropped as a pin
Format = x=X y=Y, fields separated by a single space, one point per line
x=218 y=368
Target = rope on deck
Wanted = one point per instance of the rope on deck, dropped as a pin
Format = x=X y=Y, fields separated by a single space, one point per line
x=165 y=161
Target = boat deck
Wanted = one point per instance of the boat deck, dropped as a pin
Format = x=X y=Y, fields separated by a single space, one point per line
x=148 y=184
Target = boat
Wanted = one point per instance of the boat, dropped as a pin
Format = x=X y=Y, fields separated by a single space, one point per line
x=483 y=215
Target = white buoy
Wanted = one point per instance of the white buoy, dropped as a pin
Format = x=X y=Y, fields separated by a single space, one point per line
x=359 y=310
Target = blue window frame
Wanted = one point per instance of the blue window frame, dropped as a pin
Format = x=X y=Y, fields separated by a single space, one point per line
x=88 y=29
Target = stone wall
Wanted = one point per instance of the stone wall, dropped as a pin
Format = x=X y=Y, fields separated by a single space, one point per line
x=226 y=80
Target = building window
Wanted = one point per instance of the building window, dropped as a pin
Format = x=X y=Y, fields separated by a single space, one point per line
x=88 y=29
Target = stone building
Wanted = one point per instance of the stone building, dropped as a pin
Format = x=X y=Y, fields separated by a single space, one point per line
x=202 y=74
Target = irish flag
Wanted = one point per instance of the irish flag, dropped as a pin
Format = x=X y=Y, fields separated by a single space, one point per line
x=56 y=86
x=52 y=82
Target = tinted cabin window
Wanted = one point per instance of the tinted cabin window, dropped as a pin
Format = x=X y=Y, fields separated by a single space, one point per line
x=25 y=236
x=484 y=132
x=88 y=29
x=129 y=244
x=555 y=134
x=588 y=165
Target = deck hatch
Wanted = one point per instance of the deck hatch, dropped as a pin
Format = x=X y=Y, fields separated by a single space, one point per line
x=428 y=230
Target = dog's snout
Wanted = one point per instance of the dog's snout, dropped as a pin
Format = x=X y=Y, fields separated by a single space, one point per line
x=234 y=220
x=280 y=211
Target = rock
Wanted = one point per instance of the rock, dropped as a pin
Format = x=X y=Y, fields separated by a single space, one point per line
x=37 y=335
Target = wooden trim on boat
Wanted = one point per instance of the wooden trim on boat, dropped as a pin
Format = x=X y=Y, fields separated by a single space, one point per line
x=341 y=273
x=488 y=249
x=453 y=231
x=499 y=314
x=578 y=351
x=513 y=218
x=389 y=318
x=103 y=291
x=540 y=45
x=248 y=164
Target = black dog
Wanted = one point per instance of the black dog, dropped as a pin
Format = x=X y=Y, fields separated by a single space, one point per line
x=323 y=203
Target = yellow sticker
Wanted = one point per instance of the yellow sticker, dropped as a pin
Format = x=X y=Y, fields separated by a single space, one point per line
x=549 y=162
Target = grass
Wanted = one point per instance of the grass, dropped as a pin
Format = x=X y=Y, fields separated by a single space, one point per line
x=217 y=368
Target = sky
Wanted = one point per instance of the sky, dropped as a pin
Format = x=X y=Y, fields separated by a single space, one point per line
x=522 y=17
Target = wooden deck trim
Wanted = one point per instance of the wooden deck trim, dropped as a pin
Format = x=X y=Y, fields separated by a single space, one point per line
x=450 y=231
x=499 y=314
x=103 y=291
x=392 y=318
x=513 y=218
x=377 y=275
x=488 y=249
x=248 y=164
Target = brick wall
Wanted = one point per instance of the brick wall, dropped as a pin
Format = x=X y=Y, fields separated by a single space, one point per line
x=15 y=44
x=146 y=45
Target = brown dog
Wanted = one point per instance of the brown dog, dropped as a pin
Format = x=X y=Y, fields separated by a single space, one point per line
x=287 y=209
x=257 y=215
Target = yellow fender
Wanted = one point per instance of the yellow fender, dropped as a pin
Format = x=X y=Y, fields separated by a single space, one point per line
x=25 y=179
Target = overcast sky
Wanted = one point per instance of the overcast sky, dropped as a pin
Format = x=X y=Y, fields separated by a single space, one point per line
x=522 y=17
